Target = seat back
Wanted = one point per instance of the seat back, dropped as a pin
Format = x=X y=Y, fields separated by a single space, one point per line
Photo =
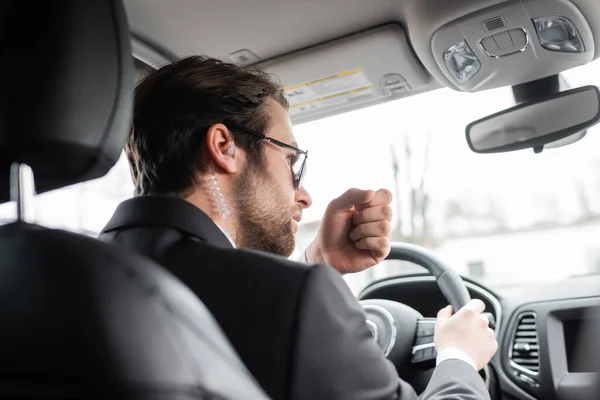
x=81 y=318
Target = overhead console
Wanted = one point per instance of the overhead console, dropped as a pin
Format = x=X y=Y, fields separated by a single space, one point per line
x=512 y=43
x=367 y=68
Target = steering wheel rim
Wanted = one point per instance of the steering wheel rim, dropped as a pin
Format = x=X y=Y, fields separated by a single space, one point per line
x=399 y=329
x=450 y=283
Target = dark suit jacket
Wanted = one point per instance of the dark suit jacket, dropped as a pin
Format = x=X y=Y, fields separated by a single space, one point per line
x=298 y=328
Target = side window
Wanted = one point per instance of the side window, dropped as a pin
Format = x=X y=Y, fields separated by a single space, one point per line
x=83 y=208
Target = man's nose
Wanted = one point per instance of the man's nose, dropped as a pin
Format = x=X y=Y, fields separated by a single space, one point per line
x=303 y=199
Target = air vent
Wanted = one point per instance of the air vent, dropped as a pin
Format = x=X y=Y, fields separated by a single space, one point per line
x=524 y=352
x=494 y=23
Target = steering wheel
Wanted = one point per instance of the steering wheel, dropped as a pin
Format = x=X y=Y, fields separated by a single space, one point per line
x=405 y=336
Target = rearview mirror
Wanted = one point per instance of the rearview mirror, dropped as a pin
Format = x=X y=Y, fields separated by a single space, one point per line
x=535 y=124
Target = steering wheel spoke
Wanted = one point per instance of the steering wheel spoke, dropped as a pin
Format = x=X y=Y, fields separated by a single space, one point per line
x=423 y=349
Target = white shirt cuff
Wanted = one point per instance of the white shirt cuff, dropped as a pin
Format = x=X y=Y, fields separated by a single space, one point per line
x=453 y=353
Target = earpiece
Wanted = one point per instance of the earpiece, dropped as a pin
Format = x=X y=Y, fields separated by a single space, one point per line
x=231 y=149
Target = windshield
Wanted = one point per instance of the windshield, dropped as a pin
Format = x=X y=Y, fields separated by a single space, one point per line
x=502 y=219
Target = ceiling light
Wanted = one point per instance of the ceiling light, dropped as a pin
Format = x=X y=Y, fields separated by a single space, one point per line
x=461 y=62
x=558 y=34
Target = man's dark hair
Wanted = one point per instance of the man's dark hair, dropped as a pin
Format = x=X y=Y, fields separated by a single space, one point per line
x=175 y=105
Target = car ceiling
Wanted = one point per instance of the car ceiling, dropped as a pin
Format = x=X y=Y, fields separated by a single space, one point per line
x=271 y=28
x=276 y=30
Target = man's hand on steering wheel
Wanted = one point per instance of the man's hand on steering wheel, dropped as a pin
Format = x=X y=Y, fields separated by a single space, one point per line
x=468 y=332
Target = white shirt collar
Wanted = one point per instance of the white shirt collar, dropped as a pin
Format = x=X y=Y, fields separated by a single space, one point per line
x=226 y=235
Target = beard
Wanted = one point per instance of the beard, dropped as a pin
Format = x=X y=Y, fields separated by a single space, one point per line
x=261 y=223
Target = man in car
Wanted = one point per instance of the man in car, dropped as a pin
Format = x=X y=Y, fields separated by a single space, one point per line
x=216 y=166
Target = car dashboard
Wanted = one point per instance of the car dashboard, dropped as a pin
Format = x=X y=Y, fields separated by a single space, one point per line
x=541 y=331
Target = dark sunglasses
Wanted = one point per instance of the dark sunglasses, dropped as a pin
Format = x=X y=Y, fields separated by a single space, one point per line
x=297 y=164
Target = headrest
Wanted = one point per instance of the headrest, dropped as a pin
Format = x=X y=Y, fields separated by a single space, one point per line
x=66 y=89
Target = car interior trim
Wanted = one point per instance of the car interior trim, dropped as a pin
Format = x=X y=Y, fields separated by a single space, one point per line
x=511 y=338
x=521 y=50
x=388 y=316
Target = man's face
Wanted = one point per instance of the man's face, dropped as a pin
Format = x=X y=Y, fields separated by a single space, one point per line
x=268 y=207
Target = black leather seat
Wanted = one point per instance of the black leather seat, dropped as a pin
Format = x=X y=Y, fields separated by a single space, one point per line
x=80 y=318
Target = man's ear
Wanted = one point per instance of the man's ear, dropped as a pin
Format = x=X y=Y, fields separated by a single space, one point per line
x=221 y=148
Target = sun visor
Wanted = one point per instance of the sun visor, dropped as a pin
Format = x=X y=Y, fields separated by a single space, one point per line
x=349 y=73
x=513 y=43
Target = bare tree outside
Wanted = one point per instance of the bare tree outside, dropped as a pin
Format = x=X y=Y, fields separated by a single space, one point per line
x=412 y=197
x=409 y=166
x=397 y=233
x=584 y=199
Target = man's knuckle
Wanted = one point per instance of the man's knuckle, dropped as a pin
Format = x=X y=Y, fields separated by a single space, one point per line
x=470 y=313
x=387 y=212
x=494 y=347
x=385 y=252
x=386 y=194
x=384 y=227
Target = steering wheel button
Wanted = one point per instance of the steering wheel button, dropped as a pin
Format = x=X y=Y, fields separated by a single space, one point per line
x=418 y=356
x=428 y=353
x=425 y=327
